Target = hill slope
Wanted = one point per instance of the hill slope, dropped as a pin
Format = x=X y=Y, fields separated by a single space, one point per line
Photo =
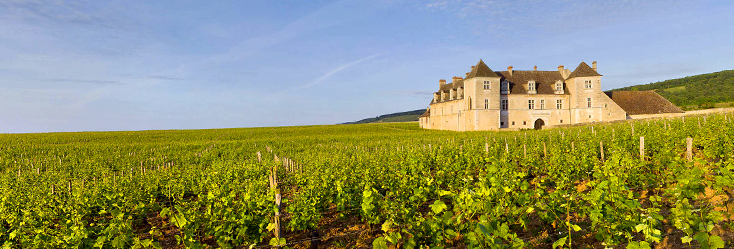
x=694 y=92
x=394 y=117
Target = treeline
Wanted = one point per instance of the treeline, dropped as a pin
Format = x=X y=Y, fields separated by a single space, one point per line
x=700 y=91
x=394 y=117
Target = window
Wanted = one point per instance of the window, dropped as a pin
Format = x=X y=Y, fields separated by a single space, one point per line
x=587 y=84
x=561 y=121
x=524 y=123
x=505 y=86
x=588 y=102
x=531 y=87
x=559 y=87
x=559 y=104
x=486 y=104
x=542 y=104
x=504 y=104
x=589 y=116
x=487 y=85
x=513 y=122
x=531 y=104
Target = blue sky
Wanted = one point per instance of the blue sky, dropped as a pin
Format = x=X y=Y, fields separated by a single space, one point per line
x=137 y=65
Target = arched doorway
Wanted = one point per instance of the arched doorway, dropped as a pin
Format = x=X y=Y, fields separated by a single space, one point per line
x=539 y=124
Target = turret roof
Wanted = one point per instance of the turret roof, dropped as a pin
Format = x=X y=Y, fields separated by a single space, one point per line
x=583 y=70
x=481 y=70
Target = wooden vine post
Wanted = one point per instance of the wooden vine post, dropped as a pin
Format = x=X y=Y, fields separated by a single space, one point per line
x=689 y=149
x=633 y=128
x=545 y=152
x=277 y=216
x=601 y=150
x=273 y=179
x=642 y=148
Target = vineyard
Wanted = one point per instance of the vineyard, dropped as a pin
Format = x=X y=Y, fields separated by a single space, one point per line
x=635 y=184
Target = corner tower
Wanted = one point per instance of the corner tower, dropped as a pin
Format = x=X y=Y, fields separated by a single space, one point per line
x=483 y=95
x=588 y=103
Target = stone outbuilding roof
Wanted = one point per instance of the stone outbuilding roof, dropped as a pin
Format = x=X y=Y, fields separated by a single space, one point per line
x=583 y=70
x=642 y=102
x=426 y=114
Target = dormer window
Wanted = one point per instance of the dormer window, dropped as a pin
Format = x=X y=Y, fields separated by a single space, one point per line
x=505 y=87
x=451 y=94
x=487 y=85
x=559 y=87
x=587 y=84
x=531 y=87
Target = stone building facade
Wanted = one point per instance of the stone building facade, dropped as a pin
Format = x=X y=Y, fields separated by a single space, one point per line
x=514 y=99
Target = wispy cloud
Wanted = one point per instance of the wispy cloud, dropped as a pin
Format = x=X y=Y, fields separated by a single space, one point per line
x=163 y=77
x=411 y=93
x=107 y=15
x=335 y=71
x=316 y=20
x=98 y=82
x=506 y=18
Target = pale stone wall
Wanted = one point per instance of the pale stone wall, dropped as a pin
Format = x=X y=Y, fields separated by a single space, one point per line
x=602 y=107
x=445 y=115
x=524 y=118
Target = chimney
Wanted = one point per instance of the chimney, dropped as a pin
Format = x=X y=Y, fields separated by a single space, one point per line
x=561 y=71
x=456 y=78
x=593 y=65
x=441 y=83
x=535 y=68
x=467 y=75
x=509 y=70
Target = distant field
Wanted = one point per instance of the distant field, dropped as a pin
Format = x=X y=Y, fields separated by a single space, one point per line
x=373 y=185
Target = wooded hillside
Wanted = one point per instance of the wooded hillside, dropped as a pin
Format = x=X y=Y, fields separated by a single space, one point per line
x=694 y=92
